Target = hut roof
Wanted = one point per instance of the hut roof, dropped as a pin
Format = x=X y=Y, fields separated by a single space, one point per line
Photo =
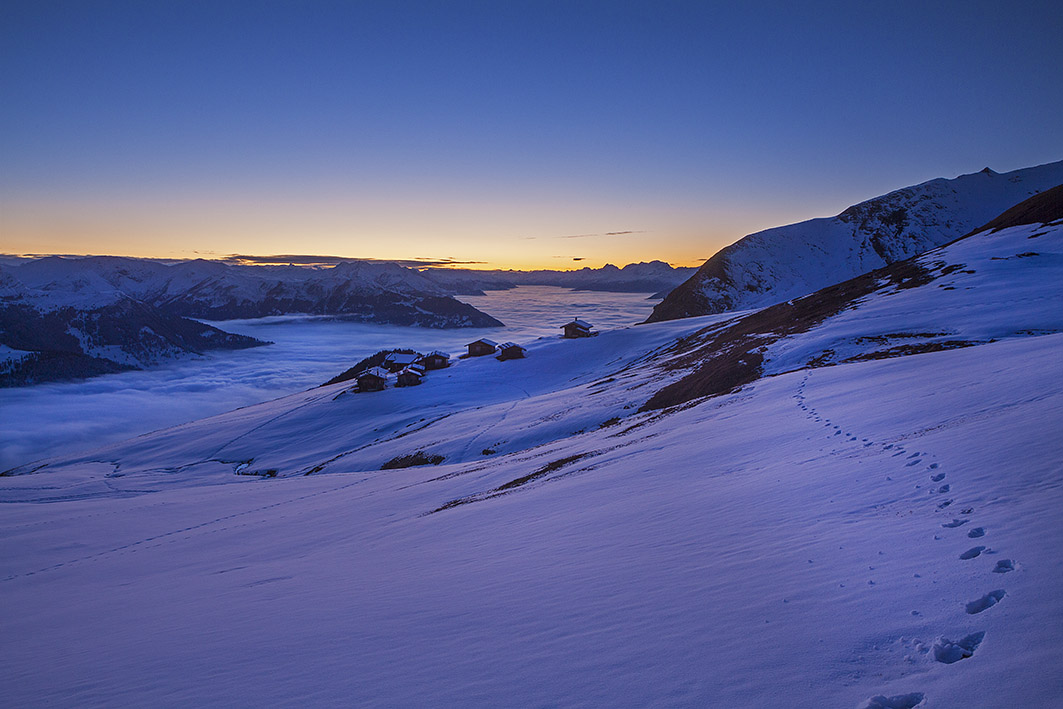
x=402 y=357
x=579 y=323
x=437 y=353
x=378 y=372
x=489 y=343
x=509 y=345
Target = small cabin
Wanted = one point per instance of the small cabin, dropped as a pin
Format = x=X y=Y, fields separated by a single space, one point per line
x=577 y=328
x=398 y=361
x=482 y=347
x=409 y=377
x=435 y=360
x=510 y=350
x=373 y=379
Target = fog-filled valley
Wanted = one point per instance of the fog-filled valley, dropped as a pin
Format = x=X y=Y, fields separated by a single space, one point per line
x=56 y=418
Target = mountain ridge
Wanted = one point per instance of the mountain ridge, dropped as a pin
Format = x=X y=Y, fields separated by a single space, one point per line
x=785 y=262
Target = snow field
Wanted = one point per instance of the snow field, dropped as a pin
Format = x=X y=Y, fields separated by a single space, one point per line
x=881 y=533
x=738 y=550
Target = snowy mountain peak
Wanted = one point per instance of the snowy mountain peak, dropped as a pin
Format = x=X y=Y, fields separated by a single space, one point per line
x=786 y=262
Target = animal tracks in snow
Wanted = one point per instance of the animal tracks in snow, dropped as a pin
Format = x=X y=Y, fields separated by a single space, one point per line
x=972 y=553
x=985 y=602
x=900 y=701
x=944 y=650
x=948 y=651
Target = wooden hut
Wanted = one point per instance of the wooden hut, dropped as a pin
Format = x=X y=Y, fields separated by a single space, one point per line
x=409 y=377
x=510 y=350
x=435 y=360
x=373 y=379
x=398 y=361
x=482 y=347
x=577 y=328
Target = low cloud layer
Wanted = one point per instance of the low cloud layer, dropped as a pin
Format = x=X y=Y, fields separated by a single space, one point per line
x=63 y=418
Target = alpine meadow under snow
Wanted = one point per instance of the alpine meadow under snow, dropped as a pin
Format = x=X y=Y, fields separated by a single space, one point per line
x=849 y=499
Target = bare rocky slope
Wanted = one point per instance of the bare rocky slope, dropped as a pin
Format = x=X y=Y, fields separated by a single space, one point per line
x=786 y=262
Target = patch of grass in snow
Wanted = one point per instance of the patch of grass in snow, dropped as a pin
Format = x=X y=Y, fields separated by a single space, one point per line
x=546 y=469
x=412 y=459
x=505 y=488
x=728 y=356
x=906 y=350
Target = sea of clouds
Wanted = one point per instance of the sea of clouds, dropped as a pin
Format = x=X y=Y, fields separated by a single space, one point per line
x=53 y=419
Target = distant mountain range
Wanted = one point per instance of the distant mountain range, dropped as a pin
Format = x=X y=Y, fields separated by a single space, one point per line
x=655 y=277
x=69 y=318
x=778 y=264
x=373 y=292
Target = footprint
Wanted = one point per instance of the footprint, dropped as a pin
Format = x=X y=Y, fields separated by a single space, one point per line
x=972 y=553
x=947 y=651
x=938 y=478
x=914 y=455
x=976 y=532
x=933 y=466
x=954 y=523
x=985 y=602
x=1004 y=566
x=914 y=462
x=944 y=488
x=900 y=701
x=943 y=505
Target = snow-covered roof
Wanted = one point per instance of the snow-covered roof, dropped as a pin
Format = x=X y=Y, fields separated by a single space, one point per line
x=579 y=323
x=375 y=372
x=402 y=357
x=413 y=370
x=489 y=343
x=509 y=345
x=437 y=353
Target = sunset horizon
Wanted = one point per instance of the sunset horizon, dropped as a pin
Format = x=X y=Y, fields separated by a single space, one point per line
x=531 y=353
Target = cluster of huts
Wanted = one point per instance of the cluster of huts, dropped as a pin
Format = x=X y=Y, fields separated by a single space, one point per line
x=409 y=368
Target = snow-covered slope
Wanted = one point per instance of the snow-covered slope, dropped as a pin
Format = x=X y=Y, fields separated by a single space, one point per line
x=78 y=325
x=374 y=292
x=877 y=527
x=790 y=261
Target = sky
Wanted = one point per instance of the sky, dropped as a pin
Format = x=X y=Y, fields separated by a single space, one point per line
x=498 y=134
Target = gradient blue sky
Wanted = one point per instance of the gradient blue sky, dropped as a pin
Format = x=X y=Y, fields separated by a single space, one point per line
x=490 y=131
